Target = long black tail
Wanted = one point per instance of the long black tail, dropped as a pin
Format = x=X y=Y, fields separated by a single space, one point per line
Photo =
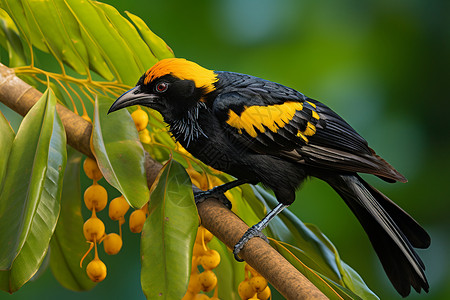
x=393 y=233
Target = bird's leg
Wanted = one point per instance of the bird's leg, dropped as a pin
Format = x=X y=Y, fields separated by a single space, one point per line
x=256 y=230
x=218 y=192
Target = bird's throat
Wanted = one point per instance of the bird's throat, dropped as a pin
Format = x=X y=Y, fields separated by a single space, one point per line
x=187 y=128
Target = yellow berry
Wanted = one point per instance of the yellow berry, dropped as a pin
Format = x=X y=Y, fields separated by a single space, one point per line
x=95 y=196
x=198 y=250
x=144 y=136
x=112 y=243
x=264 y=294
x=137 y=220
x=96 y=270
x=118 y=207
x=140 y=119
x=194 y=285
x=210 y=259
x=91 y=169
x=245 y=290
x=93 y=228
x=208 y=280
x=201 y=297
x=258 y=283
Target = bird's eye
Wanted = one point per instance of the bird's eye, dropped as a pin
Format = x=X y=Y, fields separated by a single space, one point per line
x=162 y=87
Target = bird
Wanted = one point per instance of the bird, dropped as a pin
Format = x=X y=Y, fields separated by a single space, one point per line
x=260 y=131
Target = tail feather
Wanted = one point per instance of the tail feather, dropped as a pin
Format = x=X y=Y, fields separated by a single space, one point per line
x=392 y=232
x=416 y=235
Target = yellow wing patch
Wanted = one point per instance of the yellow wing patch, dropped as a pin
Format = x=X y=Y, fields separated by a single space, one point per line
x=312 y=104
x=272 y=117
x=301 y=135
x=315 y=115
x=309 y=131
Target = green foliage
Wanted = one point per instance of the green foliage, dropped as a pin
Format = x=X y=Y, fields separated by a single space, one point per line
x=90 y=40
x=31 y=190
x=6 y=142
x=169 y=235
x=68 y=244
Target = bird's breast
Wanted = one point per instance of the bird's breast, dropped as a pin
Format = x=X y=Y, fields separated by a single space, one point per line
x=213 y=145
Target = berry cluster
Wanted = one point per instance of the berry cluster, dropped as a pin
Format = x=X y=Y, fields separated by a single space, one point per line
x=140 y=118
x=254 y=286
x=96 y=199
x=208 y=259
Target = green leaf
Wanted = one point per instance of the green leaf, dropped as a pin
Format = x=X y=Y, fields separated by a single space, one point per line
x=248 y=206
x=30 y=196
x=139 y=49
x=158 y=47
x=11 y=40
x=350 y=277
x=119 y=152
x=54 y=32
x=6 y=142
x=332 y=291
x=16 y=11
x=97 y=28
x=68 y=244
x=97 y=61
x=59 y=93
x=169 y=235
x=71 y=34
x=42 y=268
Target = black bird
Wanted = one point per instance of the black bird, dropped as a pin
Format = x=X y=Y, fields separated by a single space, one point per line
x=261 y=131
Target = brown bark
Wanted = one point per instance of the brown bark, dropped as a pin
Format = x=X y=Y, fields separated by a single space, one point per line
x=224 y=224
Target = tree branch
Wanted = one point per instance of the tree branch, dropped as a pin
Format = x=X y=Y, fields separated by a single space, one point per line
x=223 y=223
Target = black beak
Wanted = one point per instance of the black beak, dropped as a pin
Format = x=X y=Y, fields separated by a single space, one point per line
x=133 y=97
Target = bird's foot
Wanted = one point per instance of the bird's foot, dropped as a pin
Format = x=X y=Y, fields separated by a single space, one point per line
x=201 y=196
x=250 y=233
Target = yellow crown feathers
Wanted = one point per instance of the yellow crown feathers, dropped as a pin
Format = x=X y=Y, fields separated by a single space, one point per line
x=182 y=69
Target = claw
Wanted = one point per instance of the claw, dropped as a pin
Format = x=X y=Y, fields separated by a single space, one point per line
x=250 y=233
x=201 y=196
x=256 y=230
x=217 y=192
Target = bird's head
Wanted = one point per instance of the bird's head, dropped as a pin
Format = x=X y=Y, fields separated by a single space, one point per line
x=172 y=86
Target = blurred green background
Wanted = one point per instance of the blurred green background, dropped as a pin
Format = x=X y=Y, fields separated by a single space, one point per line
x=382 y=65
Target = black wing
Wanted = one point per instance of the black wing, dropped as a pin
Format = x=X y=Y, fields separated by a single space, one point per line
x=270 y=118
